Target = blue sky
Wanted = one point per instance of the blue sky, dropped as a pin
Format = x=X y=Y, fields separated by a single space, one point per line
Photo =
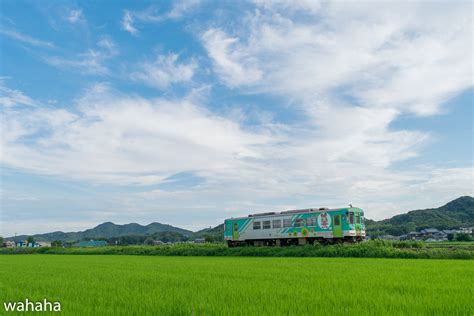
x=189 y=112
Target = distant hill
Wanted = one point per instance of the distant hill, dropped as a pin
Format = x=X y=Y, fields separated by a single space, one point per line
x=455 y=214
x=211 y=234
x=110 y=230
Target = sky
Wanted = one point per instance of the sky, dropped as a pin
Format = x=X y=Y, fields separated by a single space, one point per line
x=190 y=112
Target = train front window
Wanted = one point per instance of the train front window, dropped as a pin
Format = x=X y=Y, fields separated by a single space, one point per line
x=358 y=218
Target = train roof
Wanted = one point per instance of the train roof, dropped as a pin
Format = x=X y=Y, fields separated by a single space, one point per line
x=289 y=212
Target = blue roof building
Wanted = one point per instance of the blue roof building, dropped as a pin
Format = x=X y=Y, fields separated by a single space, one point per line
x=92 y=243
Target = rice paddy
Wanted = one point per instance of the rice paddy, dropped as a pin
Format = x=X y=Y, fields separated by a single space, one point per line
x=157 y=285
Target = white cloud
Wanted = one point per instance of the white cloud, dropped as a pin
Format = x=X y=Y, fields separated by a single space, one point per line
x=120 y=139
x=164 y=71
x=385 y=55
x=349 y=70
x=25 y=38
x=353 y=69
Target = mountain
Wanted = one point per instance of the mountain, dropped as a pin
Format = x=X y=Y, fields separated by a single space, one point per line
x=455 y=214
x=110 y=230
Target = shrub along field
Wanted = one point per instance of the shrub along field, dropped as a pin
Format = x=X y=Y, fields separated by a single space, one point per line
x=370 y=249
x=132 y=285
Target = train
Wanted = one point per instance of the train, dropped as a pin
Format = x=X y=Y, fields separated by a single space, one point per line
x=296 y=227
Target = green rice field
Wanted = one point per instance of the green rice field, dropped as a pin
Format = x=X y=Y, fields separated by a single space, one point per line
x=157 y=285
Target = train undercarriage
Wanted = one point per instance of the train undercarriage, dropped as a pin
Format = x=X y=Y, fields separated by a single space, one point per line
x=295 y=241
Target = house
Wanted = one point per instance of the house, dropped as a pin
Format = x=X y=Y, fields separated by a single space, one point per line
x=428 y=232
x=403 y=237
x=433 y=234
x=199 y=240
x=414 y=236
x=92 y=243
x=449 y=231
x=10 y=244
x=464 y=230
x=44 y=244
x=25 y=243
x=388 y=237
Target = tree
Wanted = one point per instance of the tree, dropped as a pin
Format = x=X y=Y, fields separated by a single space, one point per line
x=30 y=240
x=463 y=237
x=209 y=238
x=57 y=243
x=410 y=227
x=1 y=241
x=149 y=241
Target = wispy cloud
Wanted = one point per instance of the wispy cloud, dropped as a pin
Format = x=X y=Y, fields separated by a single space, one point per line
x=164 y=71
x=26 y=39
x=181 y=7
x=10 y=97
x=127 y=23
x=92 y=61
x=154 y=15
x=75 y=16
x=235 y=66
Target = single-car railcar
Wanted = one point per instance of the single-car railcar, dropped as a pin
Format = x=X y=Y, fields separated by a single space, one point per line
x=296 y=227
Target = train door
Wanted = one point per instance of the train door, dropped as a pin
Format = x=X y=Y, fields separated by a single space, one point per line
x=235 y=231
x=337 y=227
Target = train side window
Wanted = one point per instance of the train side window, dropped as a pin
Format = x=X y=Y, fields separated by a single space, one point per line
x=337 y=220
x=287 y=222
x=256 y=225
x=299 y=222
x=311 y=221
x=277 y=223
x=266 y=225
x=351 y=218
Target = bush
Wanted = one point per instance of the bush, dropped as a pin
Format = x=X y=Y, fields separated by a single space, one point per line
x=462 y=237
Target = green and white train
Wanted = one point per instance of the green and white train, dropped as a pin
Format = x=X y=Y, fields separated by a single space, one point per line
x=296 y=227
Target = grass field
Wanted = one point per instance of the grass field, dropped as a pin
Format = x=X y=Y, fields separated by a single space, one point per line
x=146 y=285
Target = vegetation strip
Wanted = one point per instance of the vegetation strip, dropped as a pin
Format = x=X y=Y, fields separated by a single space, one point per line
x=370 y=249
